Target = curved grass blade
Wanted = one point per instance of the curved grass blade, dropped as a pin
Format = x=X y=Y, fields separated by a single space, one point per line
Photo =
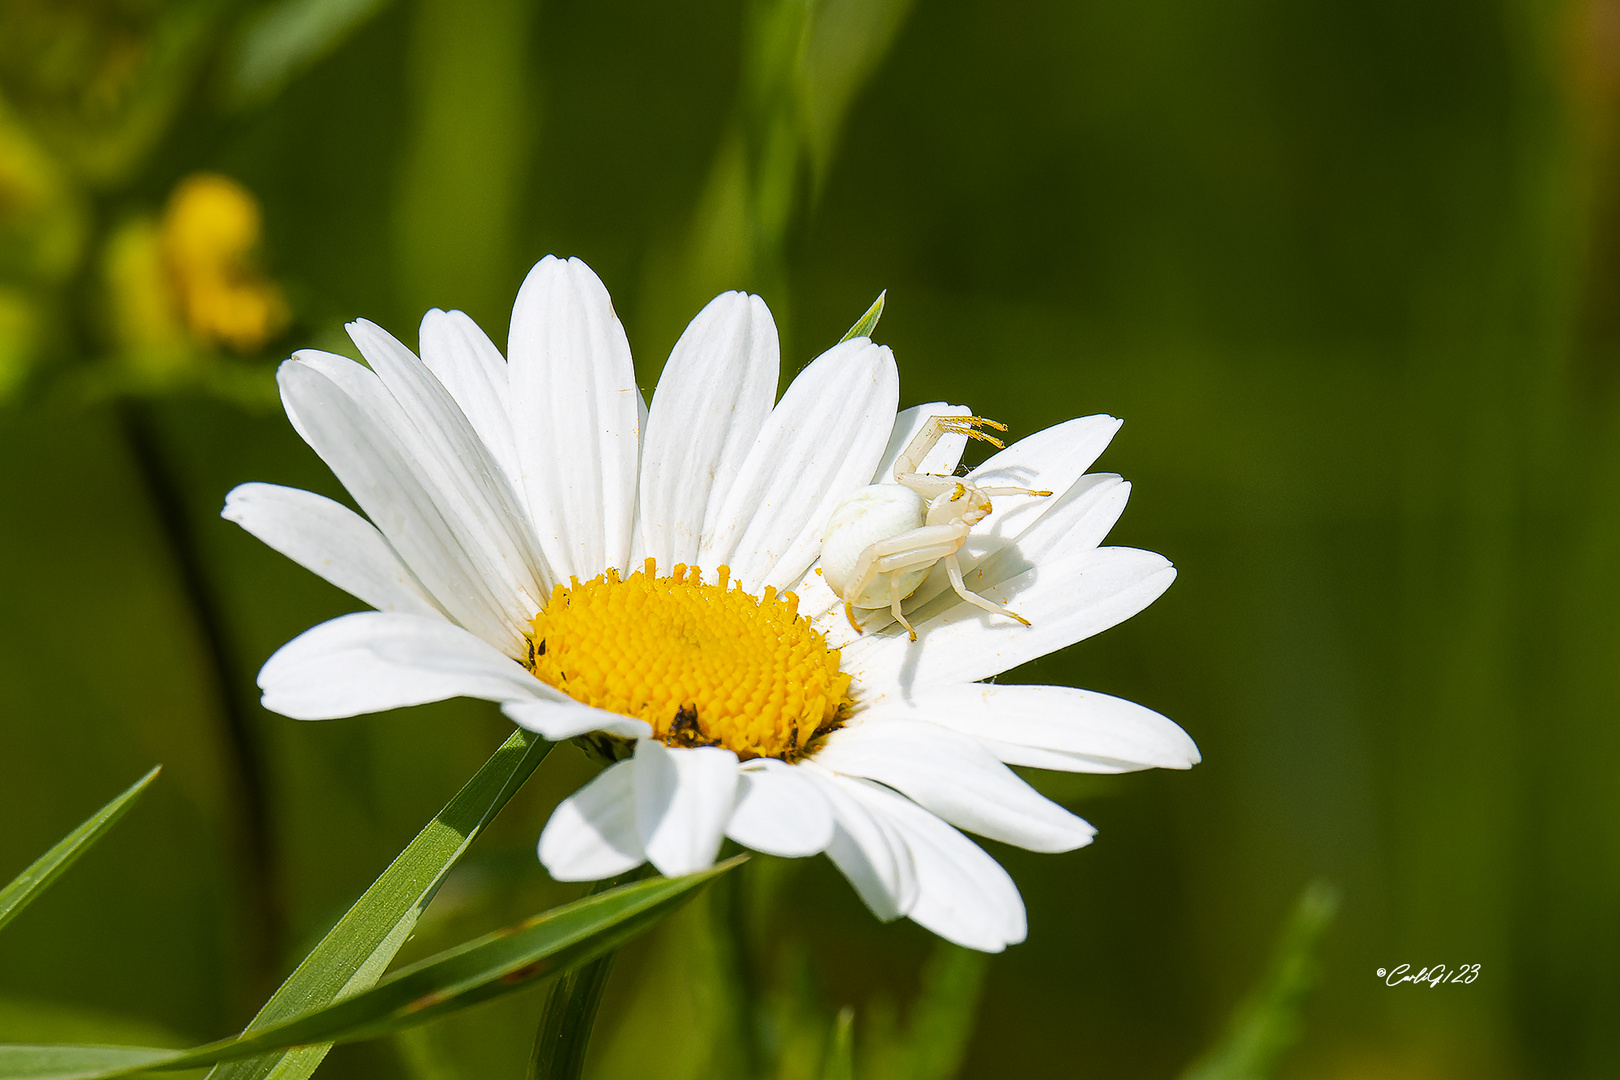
x=549 y=944
x=1267 y=1021
x=283 y=38
x=840 y=1060
x=49 y=866
x=354 y=953
x=866 y=323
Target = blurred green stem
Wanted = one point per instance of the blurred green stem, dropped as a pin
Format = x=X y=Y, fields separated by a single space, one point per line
x=730 y=918
x=1268 y=1020
x=256 y=870
x=570 y=1010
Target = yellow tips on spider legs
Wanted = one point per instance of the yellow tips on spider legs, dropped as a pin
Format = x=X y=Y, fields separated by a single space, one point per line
x=970 y=425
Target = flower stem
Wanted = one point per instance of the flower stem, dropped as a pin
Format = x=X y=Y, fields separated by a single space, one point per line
x=570 y=1010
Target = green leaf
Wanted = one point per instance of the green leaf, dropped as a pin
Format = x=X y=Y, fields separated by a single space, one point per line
x=866 y=323
x=284 y=38
x=49 y=866
x=45 y=1021
x=57 y=1062
x=354 y=953
x=839 y=1063
x=547 y=945
x=1266 y=1023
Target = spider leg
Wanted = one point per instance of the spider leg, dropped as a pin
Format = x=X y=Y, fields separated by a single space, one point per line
x=936 y=429
x=994 y=491
x=953 y=570
x=894 y=606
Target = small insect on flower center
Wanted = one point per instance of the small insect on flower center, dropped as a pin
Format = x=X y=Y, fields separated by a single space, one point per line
x=704 y=664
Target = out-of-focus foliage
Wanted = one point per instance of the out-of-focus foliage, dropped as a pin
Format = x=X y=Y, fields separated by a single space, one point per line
x=1347 y=269
x=1267 y=1022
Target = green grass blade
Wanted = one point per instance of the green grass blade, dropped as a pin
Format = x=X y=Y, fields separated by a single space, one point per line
x=54 y=1062
x=866 y=323
x=1266 y=1023
x=354 y=953
x=547 y=945
x=49 y=866
x=283 y=38
x=839 y=1063
x=942 y=1016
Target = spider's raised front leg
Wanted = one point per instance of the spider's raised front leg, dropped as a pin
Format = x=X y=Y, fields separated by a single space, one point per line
x=937 y=428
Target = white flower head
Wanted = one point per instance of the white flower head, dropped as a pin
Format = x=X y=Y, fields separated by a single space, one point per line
x=647 y=580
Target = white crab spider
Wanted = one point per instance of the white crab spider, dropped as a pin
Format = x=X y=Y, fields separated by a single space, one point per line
x=882 y=541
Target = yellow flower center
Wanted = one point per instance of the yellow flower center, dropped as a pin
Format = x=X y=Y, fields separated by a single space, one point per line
x=705 y=665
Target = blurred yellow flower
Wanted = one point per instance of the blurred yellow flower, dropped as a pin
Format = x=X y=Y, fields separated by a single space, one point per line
x=209 y=233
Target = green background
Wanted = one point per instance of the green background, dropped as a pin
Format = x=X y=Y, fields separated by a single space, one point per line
x=1346 y=269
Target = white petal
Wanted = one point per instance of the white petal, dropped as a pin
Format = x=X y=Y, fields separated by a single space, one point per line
x=559 y=720
x=1065 y=602
x=1052 y=726
x=638 y=539
x=823 y=440
x=482 y=505
x=575 y=419
x=473 y=370
x=376 y=660
x=866 y=847
x=963 y=895
x=954 y=777
x=712 y=399
x=684 y=798
x=946 y=454
x=342 y=411
x=331 y=540
x=1052 y=459
x=1077 y=520
x=780 y=812
x=592 y=833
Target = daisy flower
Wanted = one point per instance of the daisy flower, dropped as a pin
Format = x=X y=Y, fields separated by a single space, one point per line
x=647 y=581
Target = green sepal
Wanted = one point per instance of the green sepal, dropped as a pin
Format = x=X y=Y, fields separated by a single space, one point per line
x=866 y=323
